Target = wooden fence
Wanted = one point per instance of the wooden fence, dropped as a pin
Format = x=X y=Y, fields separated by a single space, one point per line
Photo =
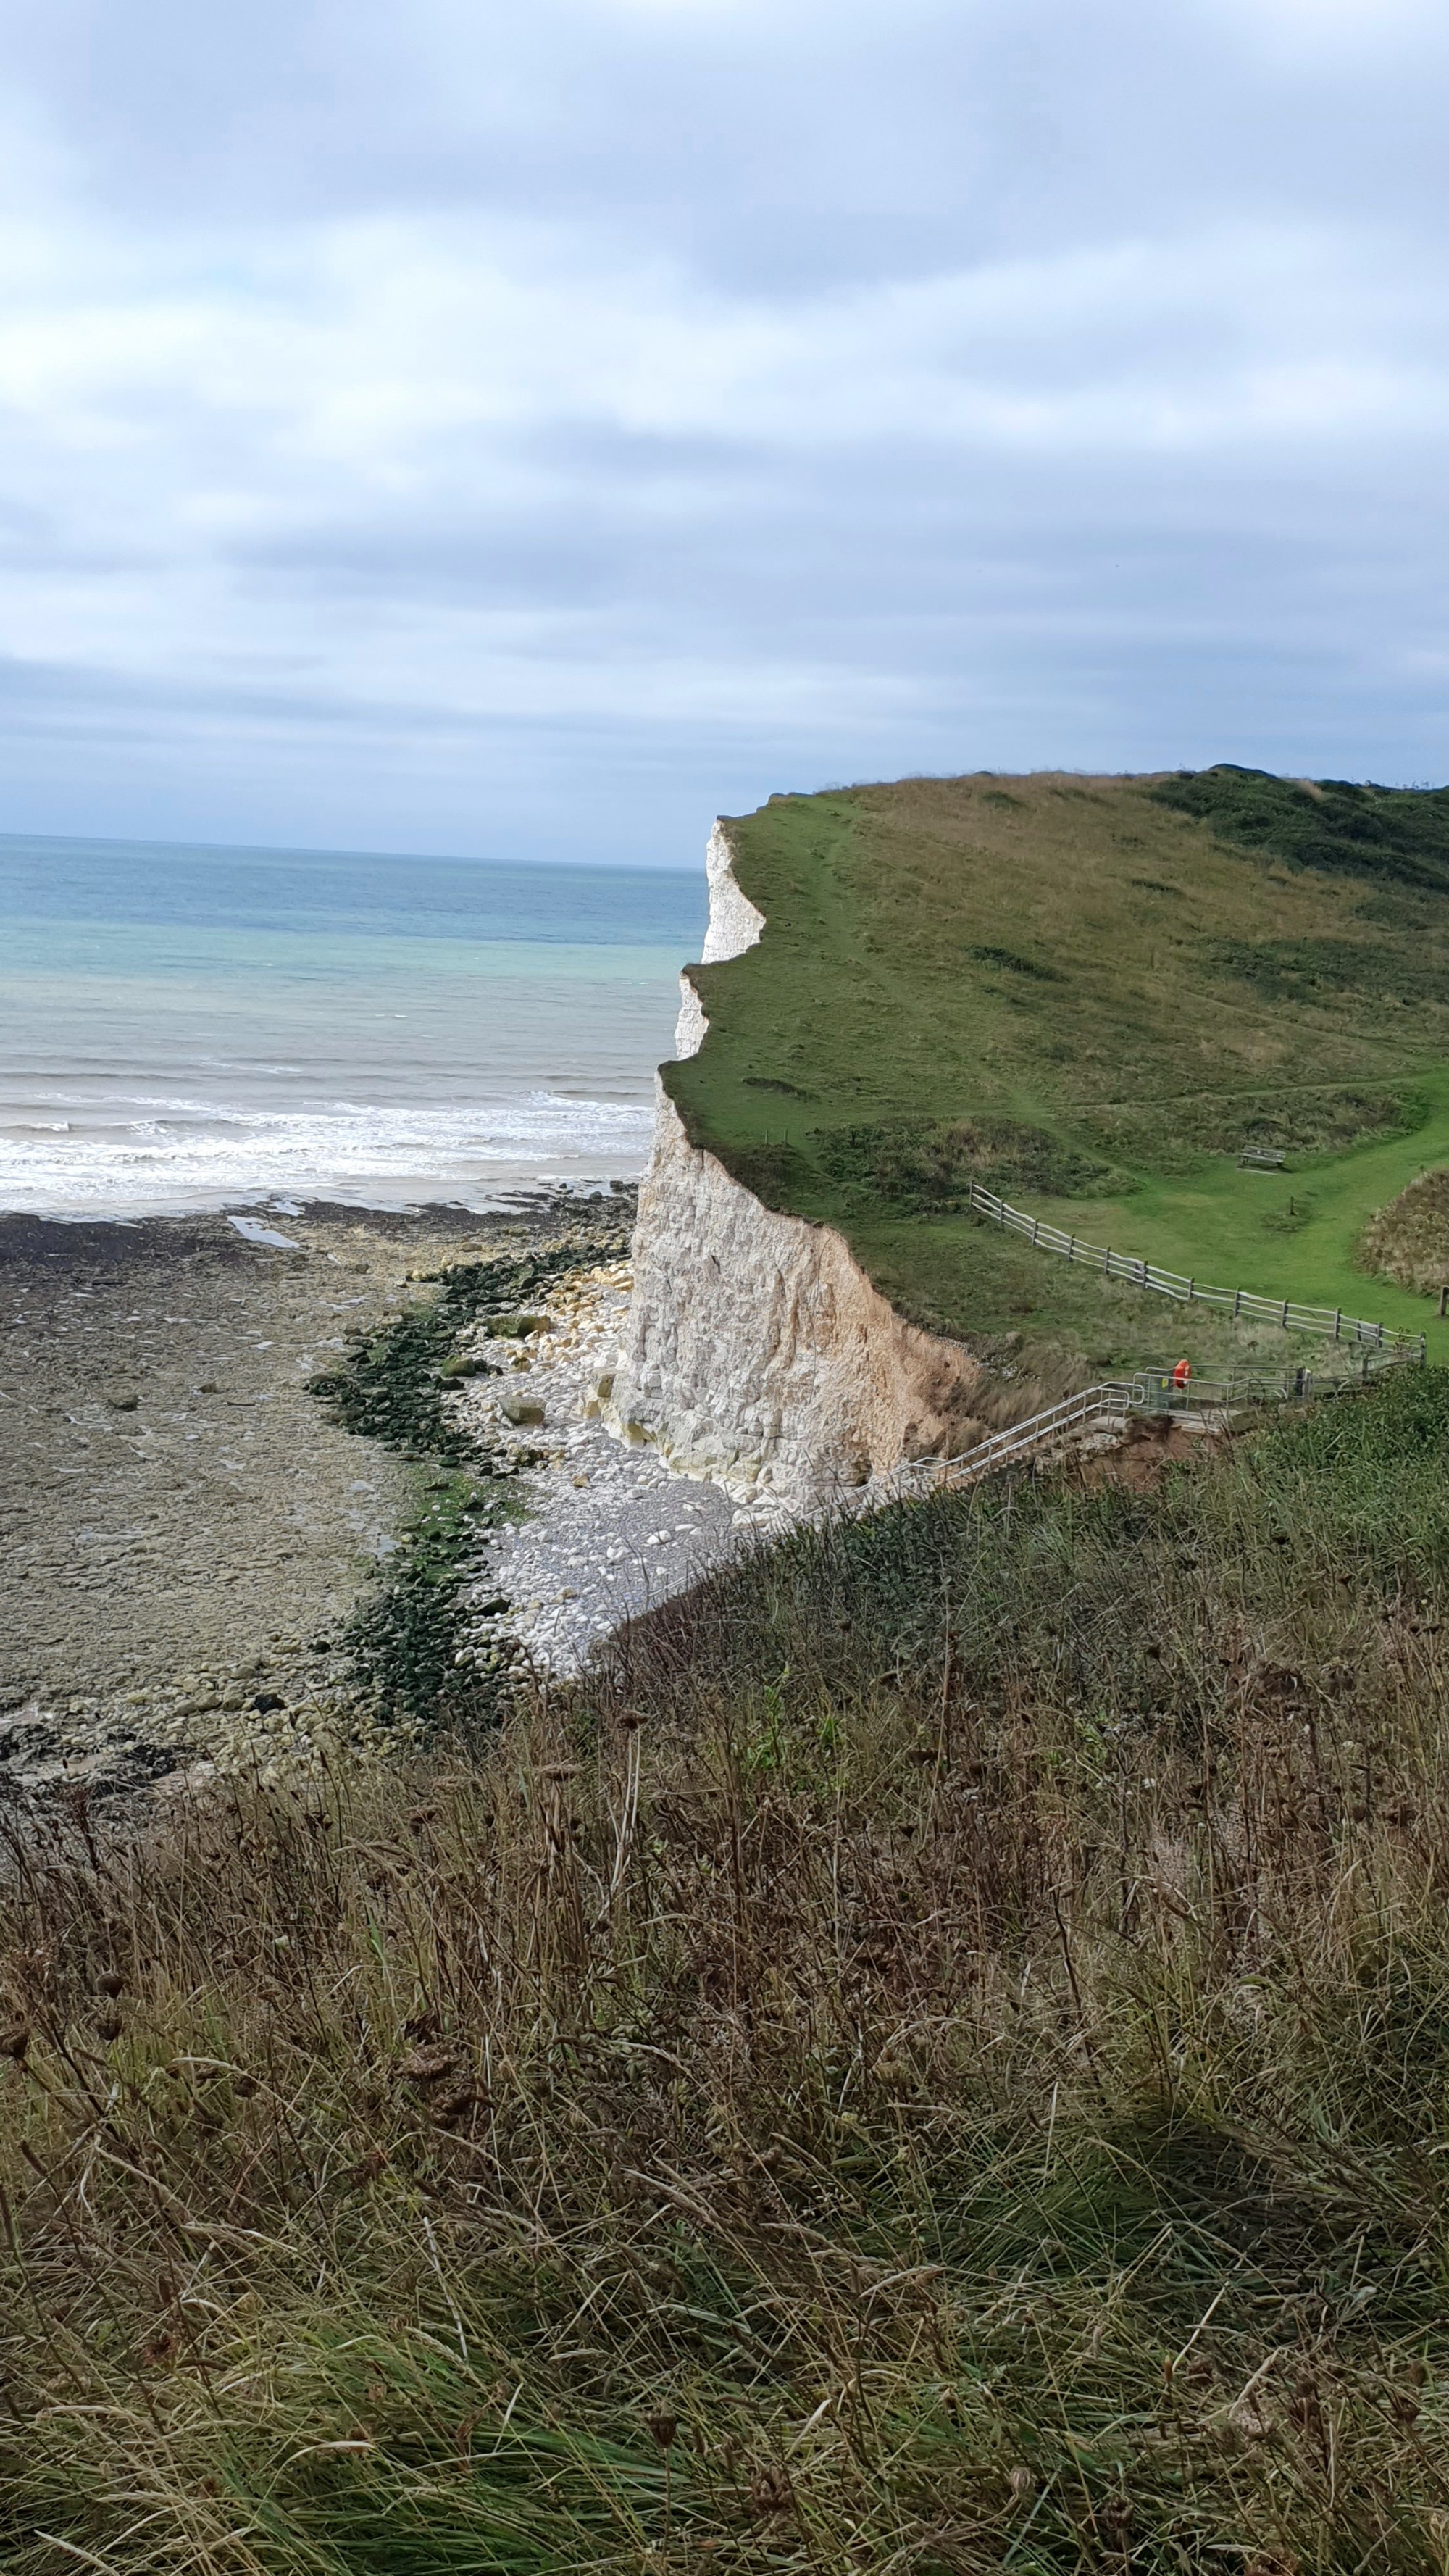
x=1137 y=1273
x=1107 y=1407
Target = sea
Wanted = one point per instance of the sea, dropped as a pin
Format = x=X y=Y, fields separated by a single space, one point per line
x=186 y=1027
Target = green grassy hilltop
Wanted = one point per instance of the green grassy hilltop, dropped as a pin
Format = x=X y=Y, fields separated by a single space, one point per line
x=1089 y=994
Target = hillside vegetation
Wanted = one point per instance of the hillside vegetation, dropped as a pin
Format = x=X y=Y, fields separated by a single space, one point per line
x=1408 y=1240
x=1090 y=994
x=934 y=2060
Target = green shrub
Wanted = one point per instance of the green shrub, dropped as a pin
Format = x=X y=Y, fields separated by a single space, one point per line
x=1330 y=824
x=933 y=1167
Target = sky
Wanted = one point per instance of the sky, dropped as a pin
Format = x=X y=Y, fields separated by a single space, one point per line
x=527 y=432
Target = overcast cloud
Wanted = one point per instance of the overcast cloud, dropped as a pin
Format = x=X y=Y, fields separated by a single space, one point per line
x=528 y=431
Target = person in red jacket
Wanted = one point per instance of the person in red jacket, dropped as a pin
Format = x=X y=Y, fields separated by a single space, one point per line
x=1181 y=1377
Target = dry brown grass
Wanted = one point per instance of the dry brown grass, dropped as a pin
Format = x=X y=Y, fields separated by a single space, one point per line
x=1408 y=1241
x=936 y=2061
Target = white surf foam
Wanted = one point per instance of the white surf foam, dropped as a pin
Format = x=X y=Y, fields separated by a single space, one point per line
x=145 y=1156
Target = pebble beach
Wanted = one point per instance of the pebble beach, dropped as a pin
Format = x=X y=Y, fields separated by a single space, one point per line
x=608 y=1529
x=185 y=1531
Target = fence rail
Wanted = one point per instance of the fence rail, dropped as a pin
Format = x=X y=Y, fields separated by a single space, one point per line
x=1110 y=1404
x=1112 y=1401
x=1137 y=1273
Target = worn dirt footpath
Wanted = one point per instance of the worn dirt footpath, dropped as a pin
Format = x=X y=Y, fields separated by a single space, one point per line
x=181 y=1530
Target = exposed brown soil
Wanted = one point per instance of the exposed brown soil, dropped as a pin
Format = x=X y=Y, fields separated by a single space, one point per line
x=1154 y=1442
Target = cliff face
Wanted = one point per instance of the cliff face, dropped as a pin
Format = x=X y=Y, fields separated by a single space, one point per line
x=734 y=922
x=758 y=1351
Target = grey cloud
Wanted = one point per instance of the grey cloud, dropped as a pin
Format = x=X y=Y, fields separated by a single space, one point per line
x=799 y=143
x=422 y=426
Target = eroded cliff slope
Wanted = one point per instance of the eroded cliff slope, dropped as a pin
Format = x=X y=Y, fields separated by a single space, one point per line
x=758 y=1351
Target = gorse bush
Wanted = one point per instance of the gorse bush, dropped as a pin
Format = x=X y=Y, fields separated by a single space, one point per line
x=934 y=2057
x=1336 y=825
x=933 y=1167
x=1409 y=1239
x=1317 y=1122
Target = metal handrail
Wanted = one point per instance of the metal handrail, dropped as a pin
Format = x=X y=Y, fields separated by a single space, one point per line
x=1115 y=1400
x=1111 y=1400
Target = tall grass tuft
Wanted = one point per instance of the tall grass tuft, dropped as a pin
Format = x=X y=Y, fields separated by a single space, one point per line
x=935 y=2058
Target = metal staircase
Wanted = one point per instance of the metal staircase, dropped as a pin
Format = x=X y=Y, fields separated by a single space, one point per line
x=1102 y=1408
x=1103 y=1411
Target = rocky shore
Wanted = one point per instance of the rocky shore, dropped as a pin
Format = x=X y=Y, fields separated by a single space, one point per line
x=184 y=1534
x=608 y=1528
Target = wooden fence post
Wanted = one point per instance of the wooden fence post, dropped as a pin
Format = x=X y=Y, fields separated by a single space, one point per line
x=1140 y=1271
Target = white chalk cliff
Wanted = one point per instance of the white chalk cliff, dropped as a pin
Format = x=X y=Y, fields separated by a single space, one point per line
x=757 y=1350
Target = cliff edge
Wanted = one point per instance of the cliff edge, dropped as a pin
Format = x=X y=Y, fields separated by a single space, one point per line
x=758 y=1351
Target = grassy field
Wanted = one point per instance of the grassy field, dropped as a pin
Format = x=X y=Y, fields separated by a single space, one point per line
x=934 y=2060
x=1089 y=994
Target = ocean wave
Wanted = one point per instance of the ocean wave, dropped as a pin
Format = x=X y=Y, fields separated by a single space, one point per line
x=145 y=1155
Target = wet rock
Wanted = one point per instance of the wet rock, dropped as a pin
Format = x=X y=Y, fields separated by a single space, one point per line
x=217 y=1549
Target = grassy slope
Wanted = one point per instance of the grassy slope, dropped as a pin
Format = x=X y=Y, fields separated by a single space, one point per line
x=936 y=2062
x=1081 y=957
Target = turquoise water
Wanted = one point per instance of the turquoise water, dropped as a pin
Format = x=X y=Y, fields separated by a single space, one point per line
x=193 y=1027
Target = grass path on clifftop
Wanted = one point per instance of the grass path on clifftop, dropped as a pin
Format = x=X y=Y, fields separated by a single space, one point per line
x=1288 y=1233
x=1088 y=994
